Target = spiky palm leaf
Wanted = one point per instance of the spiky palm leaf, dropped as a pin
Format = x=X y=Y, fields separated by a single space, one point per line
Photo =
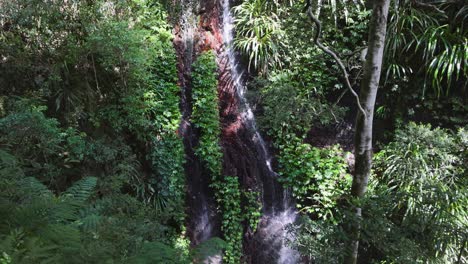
x=258 y=34
x=432 y=34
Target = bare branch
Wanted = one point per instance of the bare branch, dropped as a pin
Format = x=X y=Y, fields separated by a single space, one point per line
x=333 y=54
x=428 y=6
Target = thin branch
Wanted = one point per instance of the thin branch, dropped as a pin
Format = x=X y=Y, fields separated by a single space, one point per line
x=428 y=6
x=339 y=97
x=462 y=249
x=333 y=54
x=95 y=74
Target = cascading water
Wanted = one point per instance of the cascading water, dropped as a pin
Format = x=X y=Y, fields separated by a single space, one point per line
x=278 y=210
x=209 y=25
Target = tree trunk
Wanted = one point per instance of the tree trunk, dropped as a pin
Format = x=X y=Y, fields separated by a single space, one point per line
x=364 y=123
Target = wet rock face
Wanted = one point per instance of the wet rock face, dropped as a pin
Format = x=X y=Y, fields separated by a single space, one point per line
x=210 y=33
x=240 y=157
x=207 y=25
x=203 y=221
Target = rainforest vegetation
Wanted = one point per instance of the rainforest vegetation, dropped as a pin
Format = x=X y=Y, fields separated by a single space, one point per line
x=119 y=135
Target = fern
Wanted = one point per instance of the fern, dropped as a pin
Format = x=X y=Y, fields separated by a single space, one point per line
x=41 y=227
x=7 y=160
x=81 y=190
x=18 y=247
x=209 y=248
x=66 y=236
x=35 y=188
x=89 y=219
x=156 y=252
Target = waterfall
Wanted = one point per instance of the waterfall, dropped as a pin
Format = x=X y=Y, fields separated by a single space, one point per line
x=280 y=212
x=209 y=25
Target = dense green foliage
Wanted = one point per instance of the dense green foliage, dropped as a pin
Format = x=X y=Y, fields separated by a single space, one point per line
x=415 y=210
x=436 y=38
x=290 y=105
x=92 y=164
x=229 y=197
x=425 y=64
x=426 y=197
x=252 y=209
x=205 y=116
x=78 y=224
x=322 y=173
x=258 y=34
x=90 y=89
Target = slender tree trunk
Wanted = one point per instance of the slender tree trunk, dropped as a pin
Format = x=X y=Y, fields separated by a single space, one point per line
x=364 y=123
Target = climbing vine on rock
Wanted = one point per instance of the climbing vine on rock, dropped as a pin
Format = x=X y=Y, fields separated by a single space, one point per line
x=228 y=196
x=205 y=116
x=252 y=209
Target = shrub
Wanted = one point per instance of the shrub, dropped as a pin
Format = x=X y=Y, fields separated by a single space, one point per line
x=424 y=170
x=317 y=177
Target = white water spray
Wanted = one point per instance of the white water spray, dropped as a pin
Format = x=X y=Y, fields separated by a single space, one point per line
x=247 y=113
x=276 y=221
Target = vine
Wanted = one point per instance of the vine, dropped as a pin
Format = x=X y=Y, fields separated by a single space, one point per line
x=228 y=196
x=205 y=116
x=252 y=209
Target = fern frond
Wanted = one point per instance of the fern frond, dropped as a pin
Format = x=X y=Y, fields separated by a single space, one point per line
x=32 y=215
x=209 y=248
x=6 y=159
x=67 y=237
x=20 y=247
x=80 y=191
x=90 y=222
x=65 y=211
x=156 y=252
x=35 y=188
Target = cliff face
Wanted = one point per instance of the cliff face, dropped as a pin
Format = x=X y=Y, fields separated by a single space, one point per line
x=244 y=156
x=207 y=25
x=191 y=35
